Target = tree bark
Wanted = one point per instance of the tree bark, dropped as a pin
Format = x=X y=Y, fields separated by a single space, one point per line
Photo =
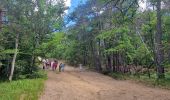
x=84 y=57
x=158 y=41
x=109 y=63
x=96 y=58
x=14 y=57
x=169 y=55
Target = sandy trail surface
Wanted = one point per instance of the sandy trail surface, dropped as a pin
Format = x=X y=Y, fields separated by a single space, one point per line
x=87 y=85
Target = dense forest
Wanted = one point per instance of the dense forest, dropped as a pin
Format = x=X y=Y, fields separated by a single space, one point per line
x=116 y=36
x=25 y=25
x=109 y=36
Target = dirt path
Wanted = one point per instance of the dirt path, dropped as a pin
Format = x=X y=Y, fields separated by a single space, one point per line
x=75 y=85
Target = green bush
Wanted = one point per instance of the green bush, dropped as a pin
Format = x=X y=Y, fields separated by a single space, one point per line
x=144 y=79
x=117 y=75
x=39 y=74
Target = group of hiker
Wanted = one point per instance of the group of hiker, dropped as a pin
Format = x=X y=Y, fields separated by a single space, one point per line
x=53 y=64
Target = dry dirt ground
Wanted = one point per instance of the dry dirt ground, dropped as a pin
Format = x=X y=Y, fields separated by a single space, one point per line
x=87 y=85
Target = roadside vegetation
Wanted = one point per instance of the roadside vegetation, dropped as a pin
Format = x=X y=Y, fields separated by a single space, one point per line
x=23 y=89
x=118 y=37
x=143 y=79
x=114 y=37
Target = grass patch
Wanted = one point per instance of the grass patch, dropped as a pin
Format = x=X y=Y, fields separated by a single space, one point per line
x=40 y=74
x=152 y=81
x=118 y=76
x=26 y=89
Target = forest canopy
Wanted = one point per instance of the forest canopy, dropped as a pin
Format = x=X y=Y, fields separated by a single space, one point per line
x=106 y=35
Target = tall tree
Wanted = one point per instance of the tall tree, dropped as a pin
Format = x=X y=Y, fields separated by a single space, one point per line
x=35 y=21
x=158 y=42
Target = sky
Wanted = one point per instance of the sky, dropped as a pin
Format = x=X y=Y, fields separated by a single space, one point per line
x=72 y=4
x=142 y=4
x=68 y=3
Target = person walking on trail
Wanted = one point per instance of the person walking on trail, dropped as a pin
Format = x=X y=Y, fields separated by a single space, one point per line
x=61 y=67
x=54 y=65
x=44 y=63
x=81 y=67
x=47 y=63
x=51 y=64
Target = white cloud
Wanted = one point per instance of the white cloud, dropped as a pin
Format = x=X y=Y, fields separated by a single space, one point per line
x=142 y=4
x=68 y=3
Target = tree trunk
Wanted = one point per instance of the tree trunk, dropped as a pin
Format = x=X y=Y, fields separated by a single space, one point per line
x=114 y=62
x=117 y=62
x=97 y=62
x=14 y=57
x=169 y=55
x=84 y=57
x=158 y=41
x=109 y=63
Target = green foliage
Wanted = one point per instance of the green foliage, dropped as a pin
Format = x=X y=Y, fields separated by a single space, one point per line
x=110 y=34
x=60 y=47
x=36 y=74
x=153 y=82
x=34 y=21
x=8 y=51
x=54 y=48
x=118 y=76
x=72 y=53
x=123 y=42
